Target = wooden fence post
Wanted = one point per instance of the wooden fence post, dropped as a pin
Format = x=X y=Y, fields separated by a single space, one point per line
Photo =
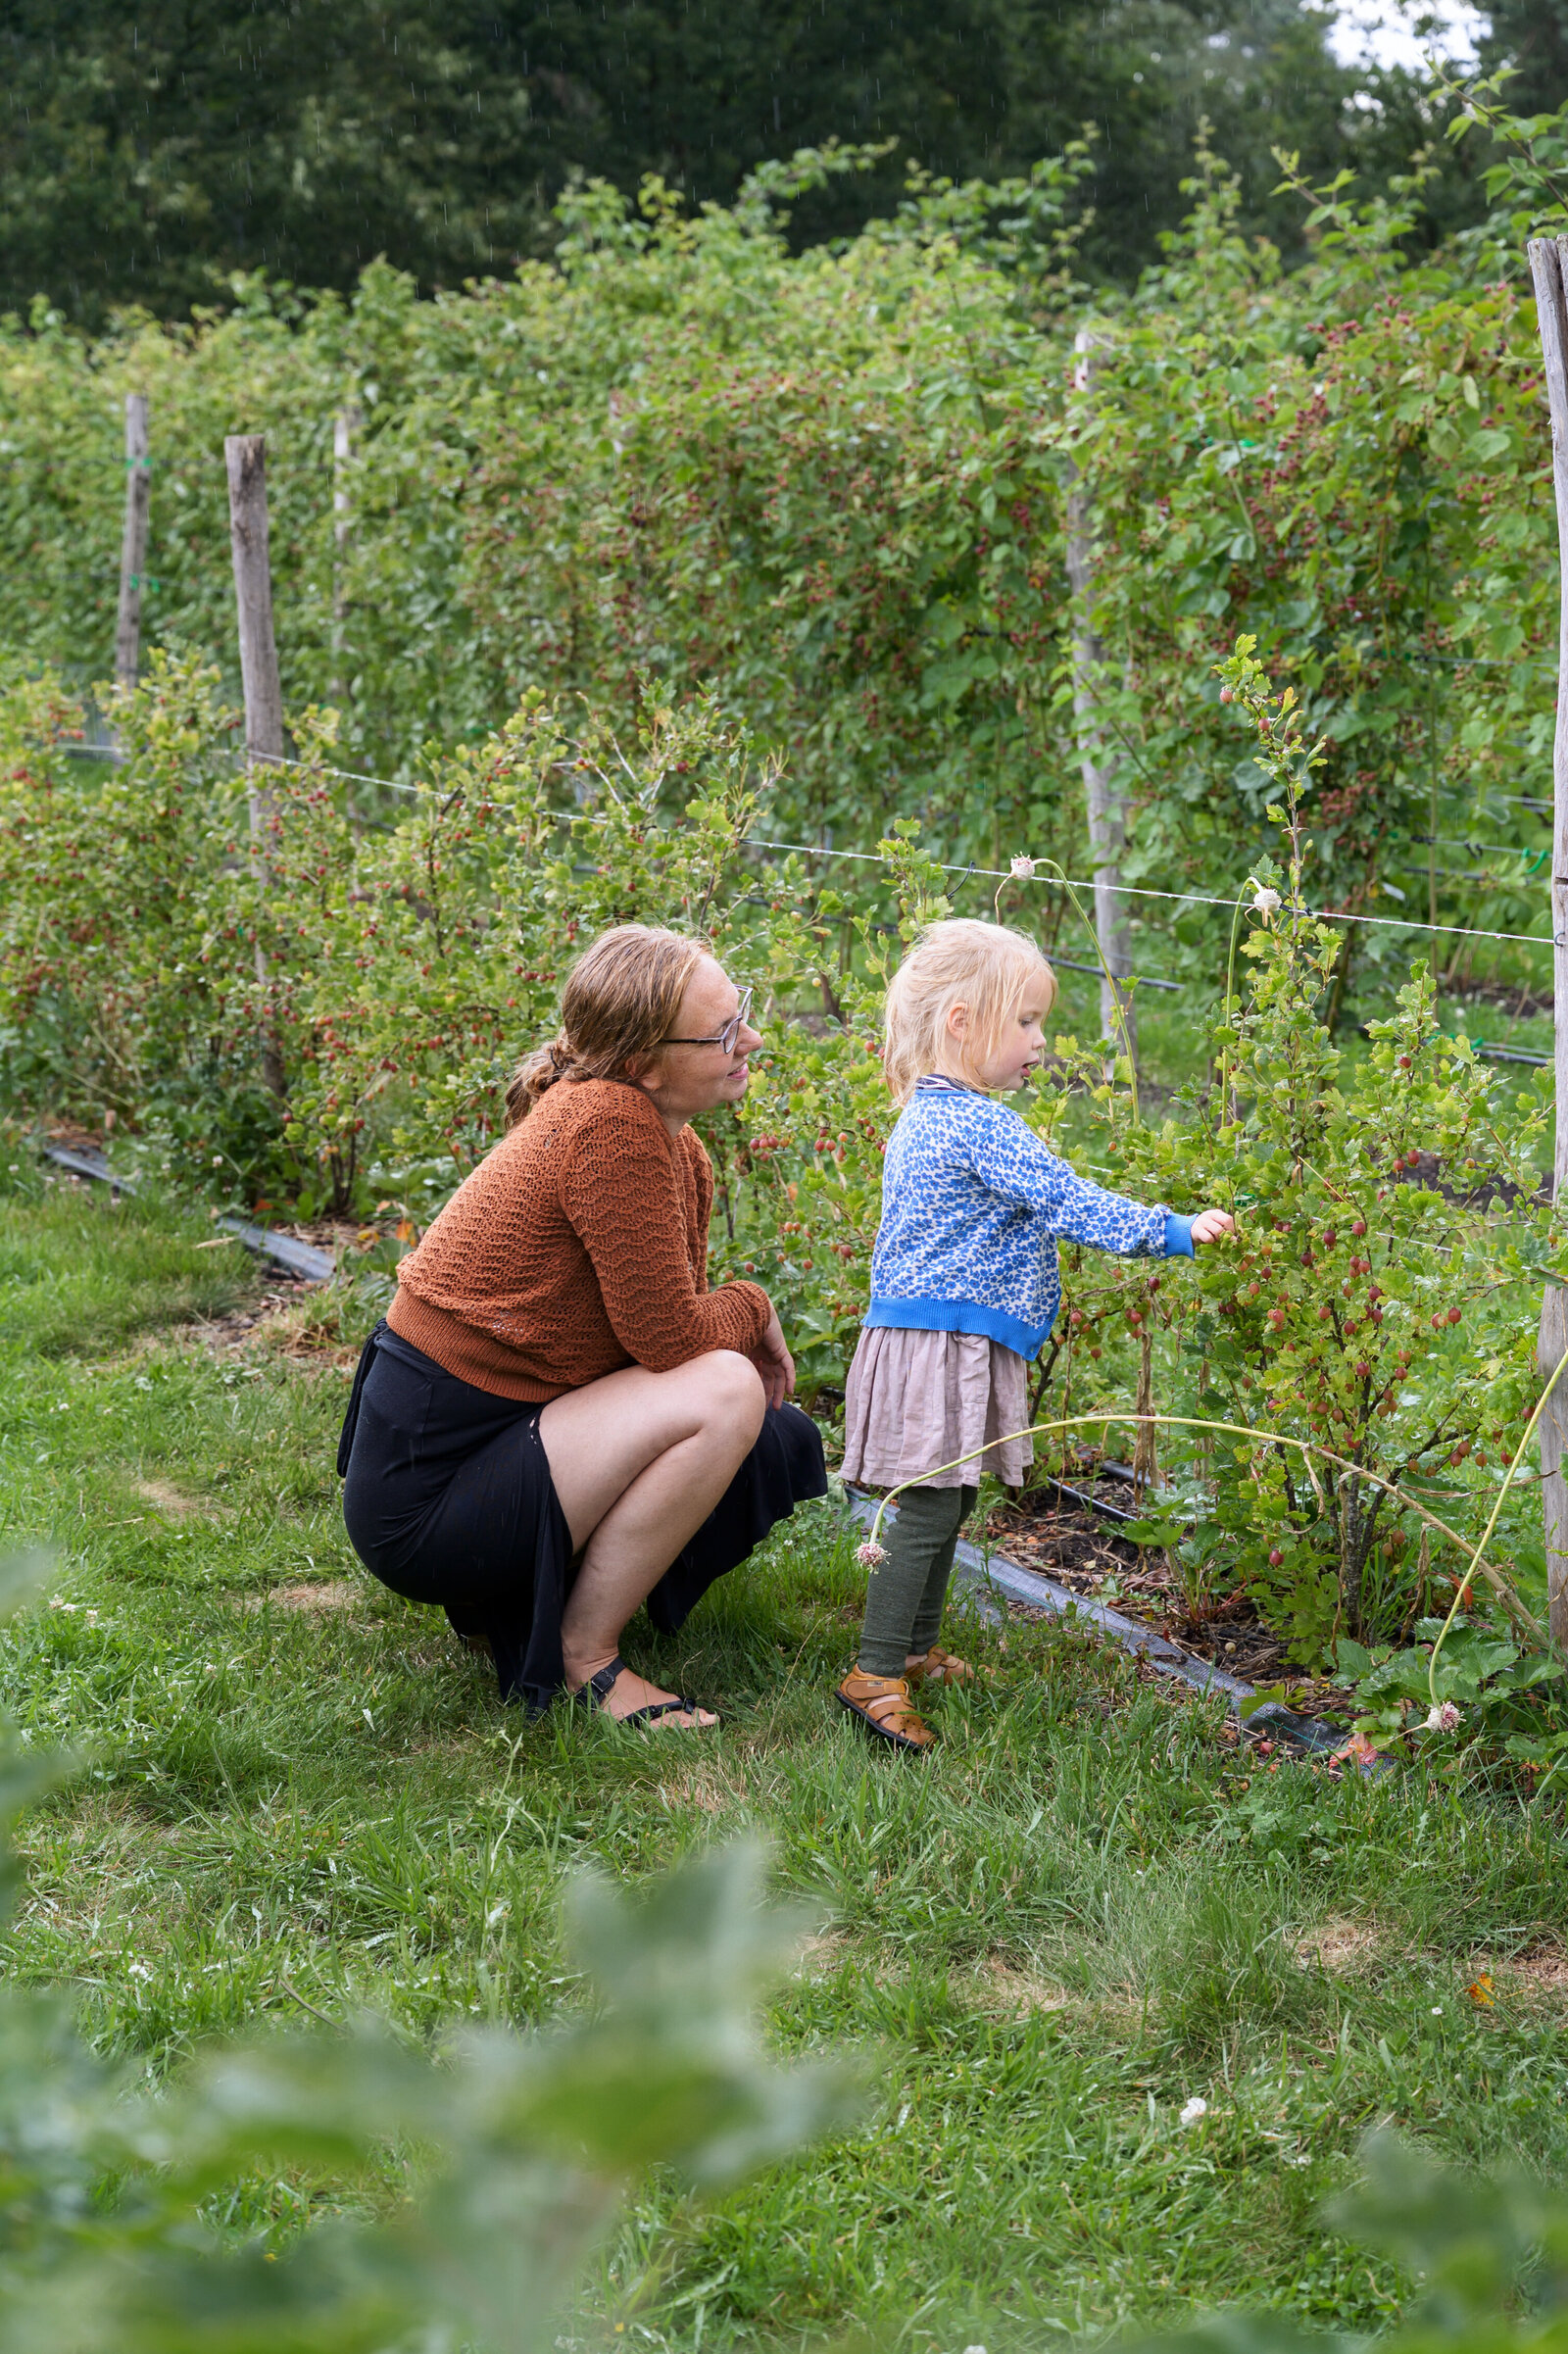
x=1105 y=804
x=345 y=425
x=245 y=456
x=133 y=542
x=1548 y=266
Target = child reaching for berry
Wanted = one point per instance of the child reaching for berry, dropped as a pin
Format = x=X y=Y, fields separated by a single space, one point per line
x=965 y=1286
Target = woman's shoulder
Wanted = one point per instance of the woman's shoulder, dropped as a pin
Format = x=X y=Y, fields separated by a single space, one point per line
x=575 y=1105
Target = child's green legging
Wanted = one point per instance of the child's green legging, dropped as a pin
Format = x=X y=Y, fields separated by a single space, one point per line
x=904 y=1593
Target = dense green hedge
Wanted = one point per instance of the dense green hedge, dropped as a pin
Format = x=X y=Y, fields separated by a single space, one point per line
x=832 y=487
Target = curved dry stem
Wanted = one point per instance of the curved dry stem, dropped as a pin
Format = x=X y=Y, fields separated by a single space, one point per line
x=1485 y=1533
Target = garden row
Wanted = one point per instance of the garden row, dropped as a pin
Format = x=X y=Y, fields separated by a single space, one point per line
x=884 y=505
x=328 y=1013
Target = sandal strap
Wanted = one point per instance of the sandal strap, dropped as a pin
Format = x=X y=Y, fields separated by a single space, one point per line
x=888 y=1704
x=598 y=1688
x=886 y=1707
x=595 y=1694
x=645 y=1716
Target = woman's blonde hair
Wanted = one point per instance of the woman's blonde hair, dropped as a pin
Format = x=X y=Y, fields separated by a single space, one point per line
x=983 y=967
x=622 y=998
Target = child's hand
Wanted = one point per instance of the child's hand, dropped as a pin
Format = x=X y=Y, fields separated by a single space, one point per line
x=1210 y=1224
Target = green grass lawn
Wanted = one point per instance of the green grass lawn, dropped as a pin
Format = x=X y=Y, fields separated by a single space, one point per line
x=292 y=1793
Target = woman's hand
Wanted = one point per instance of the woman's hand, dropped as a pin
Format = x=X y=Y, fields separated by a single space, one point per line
x=774 y=1363
x=1210 y=1224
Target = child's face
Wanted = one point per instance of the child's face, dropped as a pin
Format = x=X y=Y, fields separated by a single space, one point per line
x=1017 y=1051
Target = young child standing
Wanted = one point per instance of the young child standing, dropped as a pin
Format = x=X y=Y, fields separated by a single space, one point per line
x=965 y=1286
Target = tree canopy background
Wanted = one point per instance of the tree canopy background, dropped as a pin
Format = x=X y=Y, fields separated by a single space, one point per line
x=148 y=150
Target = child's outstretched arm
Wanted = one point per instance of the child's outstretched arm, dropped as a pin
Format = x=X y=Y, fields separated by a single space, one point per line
x=1012 y=1161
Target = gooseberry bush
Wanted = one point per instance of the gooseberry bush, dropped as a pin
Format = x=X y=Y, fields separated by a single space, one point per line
x=259 y=994
x=1375 y=1312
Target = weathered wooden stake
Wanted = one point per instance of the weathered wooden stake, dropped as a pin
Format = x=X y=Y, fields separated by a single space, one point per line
x=133 y=544
x=345 y=425
x=1548 y=266
x=245 y=455
x=1106 y=805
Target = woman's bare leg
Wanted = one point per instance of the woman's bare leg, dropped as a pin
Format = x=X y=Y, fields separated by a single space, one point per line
x=639 y=1460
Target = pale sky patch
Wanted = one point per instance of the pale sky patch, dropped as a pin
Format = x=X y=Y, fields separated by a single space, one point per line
x=1383 y=32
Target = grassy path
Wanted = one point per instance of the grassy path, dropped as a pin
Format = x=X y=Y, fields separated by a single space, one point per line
x=292 y=1790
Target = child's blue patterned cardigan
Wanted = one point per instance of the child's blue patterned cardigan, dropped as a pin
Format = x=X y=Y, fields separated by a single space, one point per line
x=972 y=1204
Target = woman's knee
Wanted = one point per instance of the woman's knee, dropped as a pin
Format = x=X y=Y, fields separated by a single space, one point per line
x=733 y=1395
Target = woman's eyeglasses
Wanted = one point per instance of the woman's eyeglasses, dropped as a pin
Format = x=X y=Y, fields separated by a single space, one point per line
x=725 y=1038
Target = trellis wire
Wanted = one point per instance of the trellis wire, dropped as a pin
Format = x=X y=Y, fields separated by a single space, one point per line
x=1200 y=899
x=874 y=857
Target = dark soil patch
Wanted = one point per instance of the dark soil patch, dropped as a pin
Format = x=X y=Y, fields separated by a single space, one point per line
x=1083 y=1551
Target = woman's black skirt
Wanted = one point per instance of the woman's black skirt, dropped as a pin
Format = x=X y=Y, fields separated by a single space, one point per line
x=448 y=1499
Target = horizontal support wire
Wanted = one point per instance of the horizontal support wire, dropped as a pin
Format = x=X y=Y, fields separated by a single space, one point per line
x=876 y=857
x=1191 y=898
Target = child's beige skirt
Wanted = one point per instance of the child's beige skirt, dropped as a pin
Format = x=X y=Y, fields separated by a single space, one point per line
x=916 y=1399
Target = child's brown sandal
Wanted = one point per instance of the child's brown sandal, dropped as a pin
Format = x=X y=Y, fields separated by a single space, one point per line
x=884 y=1707
x=941 y=1666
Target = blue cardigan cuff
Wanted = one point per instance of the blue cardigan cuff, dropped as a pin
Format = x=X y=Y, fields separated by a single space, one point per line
x=1178 y=1236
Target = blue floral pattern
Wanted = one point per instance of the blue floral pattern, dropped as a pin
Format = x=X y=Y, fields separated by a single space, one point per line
x=972 y=1207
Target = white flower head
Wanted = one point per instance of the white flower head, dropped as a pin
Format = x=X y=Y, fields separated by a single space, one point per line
x=1192 y=2110
x=1022 y=869
x=1441 y=1719
x=870 y=1553
x=1265 y=902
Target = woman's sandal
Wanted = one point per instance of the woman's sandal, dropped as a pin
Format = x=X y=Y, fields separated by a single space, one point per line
x=884 y=1707
x=939 y=1666
x=595 y=1694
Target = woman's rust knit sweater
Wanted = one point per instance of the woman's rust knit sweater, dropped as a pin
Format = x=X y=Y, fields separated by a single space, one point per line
x=579 y=1244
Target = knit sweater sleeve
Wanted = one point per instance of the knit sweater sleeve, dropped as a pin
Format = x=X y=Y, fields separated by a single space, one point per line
x=623 y=1196
x=1007 y=1155
x=703 y=1177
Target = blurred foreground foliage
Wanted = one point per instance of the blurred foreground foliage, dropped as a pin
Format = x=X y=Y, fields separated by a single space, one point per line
x=515 y=2151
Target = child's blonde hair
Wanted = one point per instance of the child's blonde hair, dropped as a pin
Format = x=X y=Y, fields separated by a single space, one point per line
x=983 y=967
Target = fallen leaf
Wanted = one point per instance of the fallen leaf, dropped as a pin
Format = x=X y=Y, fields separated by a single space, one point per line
x=1481 y=1994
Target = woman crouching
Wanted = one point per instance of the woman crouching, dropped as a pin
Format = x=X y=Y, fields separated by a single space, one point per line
x=557 y=1420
